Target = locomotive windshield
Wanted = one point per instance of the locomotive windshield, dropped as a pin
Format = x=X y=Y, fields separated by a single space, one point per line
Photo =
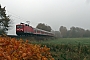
x=19 y=26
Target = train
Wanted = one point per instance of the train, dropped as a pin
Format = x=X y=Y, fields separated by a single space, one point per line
x=23 y=29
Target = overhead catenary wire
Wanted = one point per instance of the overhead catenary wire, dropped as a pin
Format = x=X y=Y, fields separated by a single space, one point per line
x=18 y=19
x=16 y=16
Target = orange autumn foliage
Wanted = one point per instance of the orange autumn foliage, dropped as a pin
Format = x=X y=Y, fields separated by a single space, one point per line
x=13 y=49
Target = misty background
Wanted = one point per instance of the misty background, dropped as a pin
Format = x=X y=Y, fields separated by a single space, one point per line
x=54 y=13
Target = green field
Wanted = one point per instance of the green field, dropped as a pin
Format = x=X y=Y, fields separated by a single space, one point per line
x=68 y=48
x=83 y=41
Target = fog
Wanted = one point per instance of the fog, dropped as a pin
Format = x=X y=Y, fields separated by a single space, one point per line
x=54 y=13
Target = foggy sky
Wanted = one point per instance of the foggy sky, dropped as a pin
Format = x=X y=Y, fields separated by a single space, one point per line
x=54 y=13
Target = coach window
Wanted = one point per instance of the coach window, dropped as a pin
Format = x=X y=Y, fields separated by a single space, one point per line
x=35 y=31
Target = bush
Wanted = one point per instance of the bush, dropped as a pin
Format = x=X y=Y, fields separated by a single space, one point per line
x=13 y=49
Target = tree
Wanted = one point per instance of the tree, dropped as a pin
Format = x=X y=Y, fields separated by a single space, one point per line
x=87 y=33
x=4 y=21
x=44 y=27
x=73 y=32
x=80 y=32
x=57 y=34
x=76 y=32
x=63 y=31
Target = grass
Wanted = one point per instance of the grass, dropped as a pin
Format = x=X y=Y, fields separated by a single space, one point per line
x=68 y=48
x=74 y=41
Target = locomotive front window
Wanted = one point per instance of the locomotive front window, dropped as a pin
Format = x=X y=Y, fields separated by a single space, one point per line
x=19 y=26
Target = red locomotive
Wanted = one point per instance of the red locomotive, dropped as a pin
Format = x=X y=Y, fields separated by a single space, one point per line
x=25 y=29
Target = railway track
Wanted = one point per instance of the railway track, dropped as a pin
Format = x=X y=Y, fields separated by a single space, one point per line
x=32 y=37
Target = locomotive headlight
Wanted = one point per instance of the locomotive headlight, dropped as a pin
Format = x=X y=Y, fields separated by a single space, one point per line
x=17 y=29
x=21 y=29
